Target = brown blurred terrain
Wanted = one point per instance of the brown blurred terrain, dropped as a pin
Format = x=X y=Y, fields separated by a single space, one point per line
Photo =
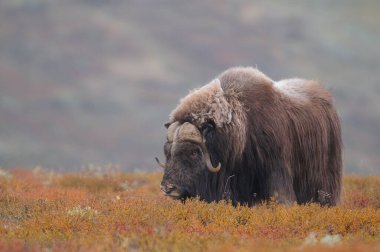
x=91 y=81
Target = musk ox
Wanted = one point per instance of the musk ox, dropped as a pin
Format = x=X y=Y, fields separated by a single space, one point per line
x=247 y=139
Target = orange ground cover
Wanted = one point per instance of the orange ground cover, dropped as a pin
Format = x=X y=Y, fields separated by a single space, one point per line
x=101 y=211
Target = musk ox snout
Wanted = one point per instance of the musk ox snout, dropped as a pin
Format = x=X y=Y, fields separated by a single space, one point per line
x=180 y=176
x=185 y=165
x=170 y=190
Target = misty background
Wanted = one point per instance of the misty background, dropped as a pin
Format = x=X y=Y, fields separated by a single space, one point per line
x=93 y=81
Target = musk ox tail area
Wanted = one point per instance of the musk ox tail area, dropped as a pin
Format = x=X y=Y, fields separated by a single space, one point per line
x=315 y=134
x=256 y=139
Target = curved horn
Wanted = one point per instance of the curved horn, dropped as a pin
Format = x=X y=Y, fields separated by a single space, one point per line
x=209 y=165
x=160 y=164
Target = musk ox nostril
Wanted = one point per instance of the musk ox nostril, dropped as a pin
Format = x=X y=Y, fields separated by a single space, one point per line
x=167 y=189
x=170 y=186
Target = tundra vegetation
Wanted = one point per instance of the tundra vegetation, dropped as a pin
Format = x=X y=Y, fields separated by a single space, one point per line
x=103 y=210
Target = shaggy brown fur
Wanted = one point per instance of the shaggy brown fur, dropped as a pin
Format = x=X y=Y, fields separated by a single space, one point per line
x=277 y=140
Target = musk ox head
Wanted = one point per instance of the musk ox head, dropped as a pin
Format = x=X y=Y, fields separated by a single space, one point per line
x=199 y=132
x=187 y=160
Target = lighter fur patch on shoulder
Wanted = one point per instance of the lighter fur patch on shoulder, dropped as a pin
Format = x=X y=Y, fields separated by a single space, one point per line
x=292 y=88
x=204 y=104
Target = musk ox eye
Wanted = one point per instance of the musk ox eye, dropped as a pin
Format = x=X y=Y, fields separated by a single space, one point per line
x=194 y=154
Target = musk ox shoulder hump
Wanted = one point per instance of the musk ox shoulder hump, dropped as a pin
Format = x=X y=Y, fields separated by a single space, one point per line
x=236 y=78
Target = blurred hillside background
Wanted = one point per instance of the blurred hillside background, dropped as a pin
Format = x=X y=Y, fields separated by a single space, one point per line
x=93 y=81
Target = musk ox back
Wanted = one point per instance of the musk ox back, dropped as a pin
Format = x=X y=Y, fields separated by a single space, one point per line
x=246 y=138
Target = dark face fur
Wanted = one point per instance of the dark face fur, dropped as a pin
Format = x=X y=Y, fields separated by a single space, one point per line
x=186 y=163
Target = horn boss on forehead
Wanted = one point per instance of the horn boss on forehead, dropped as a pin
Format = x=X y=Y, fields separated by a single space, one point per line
x=188 y=132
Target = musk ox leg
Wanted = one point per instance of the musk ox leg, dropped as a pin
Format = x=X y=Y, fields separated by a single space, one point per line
x=281 y=188
x=286 y=197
